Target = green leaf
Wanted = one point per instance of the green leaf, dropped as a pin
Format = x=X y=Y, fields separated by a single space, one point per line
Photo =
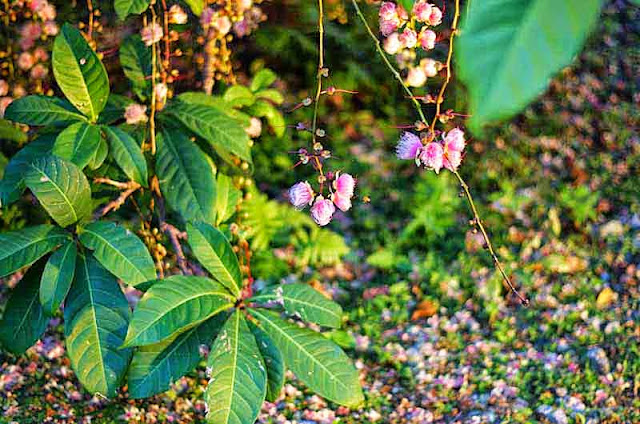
x=79 y=73
x=125 y=8
x=215 y=253
x=57 y=277
x=78 y=143
x=12 y=184
x=174 y=305
x=306 y=303
x=523 y=43
x=238 y=380
x=24 y=320
x=120 y=251
x=101 y=155
x=10 y=132
x=127 y=154
x=227 y=198
x=224 y=134
x=135 y=58
x=155 y=367
x=273 y=361
x=114 y=109
x=186 y=178
x=23 y=247
x=96 y=315
x=217 y=102
x=263 y=79
x=42 y=110
x=196 y=6
x=271 y=95
x=61 y=188
x=316 y=361
x=238 y=96
x=264 y=109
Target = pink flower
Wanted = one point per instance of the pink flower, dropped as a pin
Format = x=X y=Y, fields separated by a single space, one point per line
x=31 y=31
x=422 y=10
x=255 y=127
x=161 y=90
x=430 y=67
x=47 y=12
x=454 y=140
x=206 y=16
x=342 y=202
x=409 y=38
x=36 y=5
x=4 y=103
x=222 y=25
x=39 y=71
x=431 y=156
x=151 y=34
x=389 y=26
x=402 y=13
x=51 y=28
x=344 y=184
x=436 y=16
x=416 y=77
x=392 y=44
x=25 y=61
x=40 y=54
x=135 y=113
x=427 y=39
x=322 y=211
x=388 y=10
x=452 y=160
x=301 y=194
x=177 y=15
x=408 y=146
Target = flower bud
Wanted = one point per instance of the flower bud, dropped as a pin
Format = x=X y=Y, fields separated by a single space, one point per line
x=177 y=15
x=416 y=77
x=427 y=39
x=301 y=194
x=431 y=156
x=422 y=10
x=454 y=140
x=322 y=211
x=151 y=34
x=344 y=184
x=392 y=44
x=255 y=127
x=436 y=16
x=409 y=38
x=429 y=67
x=408 y=146
x=452 y=160
x=342 y=202
x=135 y=113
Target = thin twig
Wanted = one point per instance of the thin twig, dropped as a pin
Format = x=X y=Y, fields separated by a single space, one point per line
x=175 y=236
x=154 y=70
x=320 y=70
x=128 y=187
x=166 y=64
x=90 y=29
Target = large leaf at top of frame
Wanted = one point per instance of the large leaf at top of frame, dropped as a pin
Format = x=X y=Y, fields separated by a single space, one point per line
x=273 y=361
x=57 y=277
x=79 y=73
x=173 y=305
x=237 y=376
x=215 y=253
x=509 y=50
x=155 y=367
x=316 y=361
x=305 y=302
x=61 y=188
x=127 y=154
x=125 y=8
x=186 y=177
x=135 y=58
x=78 y=143
x=23 y=247
x=96 y=316
x=120 y=251
x=217 y=128
x=42 y=110
x=24 y=320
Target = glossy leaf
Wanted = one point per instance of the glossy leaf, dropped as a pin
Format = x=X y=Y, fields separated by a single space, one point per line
x=272 y=360
x=120 y=251
x=78 y=143
x=155 y=367
x=186 y=178
x=215 y=253
x=306 y=303
x=57 y=277
x=135 y=58
x=125 y=8
x=523 y=43
x=227 y=198
x=101 y=155
x=263 y=79
x=96 y=316
x=127 y=154
x=265 y=109
x=316 y=361
x=238 y=380
x=79 y=73
x=61 y=188
x=24 y=320
x=42 y=110
x=174 y=305
x=238 y=96
x=23 y=247
x=196 y=6
x=217 y=102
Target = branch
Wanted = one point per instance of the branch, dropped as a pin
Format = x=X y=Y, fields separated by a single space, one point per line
x=128 y=187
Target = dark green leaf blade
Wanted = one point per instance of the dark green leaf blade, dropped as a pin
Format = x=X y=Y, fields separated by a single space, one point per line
x=125 y=8
x=127 y=154
x=273 y=361
x=57 y=277
x=23 y=247
x=42 y=110
x=78 y=143
x=135 y=58
x=226 y=199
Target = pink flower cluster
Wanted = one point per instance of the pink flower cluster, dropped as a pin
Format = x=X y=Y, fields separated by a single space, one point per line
x=33 y=30
x=404 y=32
x=435 y=155
x=151 y=33
x=301 y=195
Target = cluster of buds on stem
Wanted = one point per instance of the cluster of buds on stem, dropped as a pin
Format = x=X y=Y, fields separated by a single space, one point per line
x=341 y=191
x=443 y=152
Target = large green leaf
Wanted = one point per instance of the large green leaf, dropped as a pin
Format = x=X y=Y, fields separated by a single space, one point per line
x=120 y=251
x=79 y=73
x=61 y=188
x=135 y=58
x=42 y=110
x=173 y=305
x=215 y=253
x=186 y=177
x=315 y=360
x=237 y=379
x=96 y=316
x=263 y=79
x=24 y=320
x=57 y=277
x=125 y=8
x=23 y=247
x=227 y=198
x=224 y=133
x=238 y=96
x=155 y=367
x=509 y=49
x=273 y=361
x=127 y=154
x=78 y=143
x=12 y=184
x=101 y=155
x=199 y=98
x=303 y=301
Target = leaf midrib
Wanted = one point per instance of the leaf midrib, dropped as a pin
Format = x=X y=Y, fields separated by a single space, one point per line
x=53 y=183
x=110 y=245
